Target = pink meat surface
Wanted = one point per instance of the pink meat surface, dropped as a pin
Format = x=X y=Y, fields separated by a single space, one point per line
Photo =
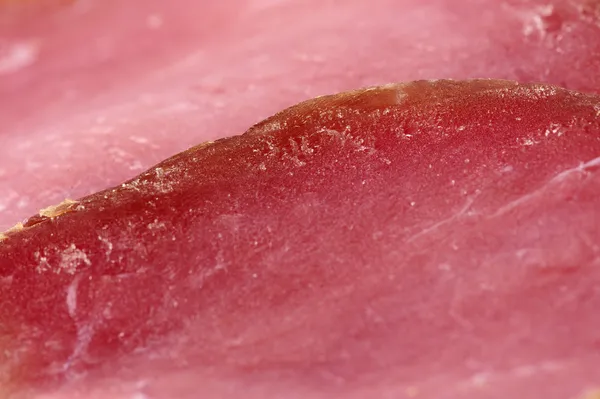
x=461 y=264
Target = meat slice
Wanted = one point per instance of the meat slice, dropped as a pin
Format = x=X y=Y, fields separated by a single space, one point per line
x=434 y=239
